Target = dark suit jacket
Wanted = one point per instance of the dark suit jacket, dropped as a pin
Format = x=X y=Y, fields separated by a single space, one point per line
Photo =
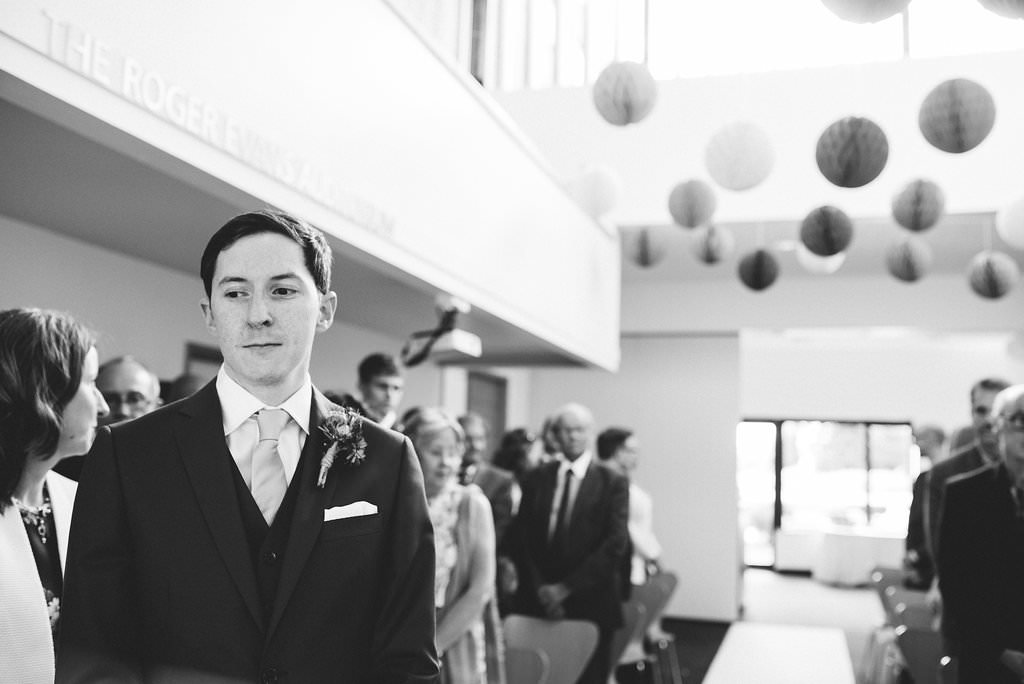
x=963 y=461
x=161 y=585
x=496 y=485
x=981 y=570
x=595 y=542
x=919 y=562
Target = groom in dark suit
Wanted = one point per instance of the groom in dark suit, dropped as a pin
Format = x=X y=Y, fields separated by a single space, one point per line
x=253 y=532
x=570 y=536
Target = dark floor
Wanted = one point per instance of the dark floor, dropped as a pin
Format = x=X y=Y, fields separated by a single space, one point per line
x=696 y=643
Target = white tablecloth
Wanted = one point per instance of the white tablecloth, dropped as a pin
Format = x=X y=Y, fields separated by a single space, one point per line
x=847 y=555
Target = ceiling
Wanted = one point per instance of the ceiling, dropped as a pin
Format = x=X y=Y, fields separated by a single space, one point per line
x=56 y=178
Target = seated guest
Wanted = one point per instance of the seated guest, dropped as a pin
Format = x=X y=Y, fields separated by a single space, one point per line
x=49 y=408
x=381 y=386
x=468 y=633
x=981 y=553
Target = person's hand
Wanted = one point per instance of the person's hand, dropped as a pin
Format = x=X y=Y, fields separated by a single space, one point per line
x=934 y=599
x=1014 y=660
x=551 y=597
x=508 y=577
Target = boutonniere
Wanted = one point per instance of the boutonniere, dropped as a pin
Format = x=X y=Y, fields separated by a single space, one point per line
x=344 y=433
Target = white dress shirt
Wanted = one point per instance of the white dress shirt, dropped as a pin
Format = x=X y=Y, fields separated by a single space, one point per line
x=579 y=470
x=238 y=407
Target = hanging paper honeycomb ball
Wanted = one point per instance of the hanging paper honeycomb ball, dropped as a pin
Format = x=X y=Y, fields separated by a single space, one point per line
x=957 y=115
x=909 y=259
x=826 y=231
x=992 y=274
x=692 y=203
x=645 y=247
x=597 y=190
x=852 y=152
x=739 y=156
x=865 y=11
x=712 y=244
x=1011 y=9
x=919 y=205
x=759 y=269
x=625 y=93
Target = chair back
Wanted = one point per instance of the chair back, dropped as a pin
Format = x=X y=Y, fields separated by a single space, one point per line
x=883 y=579
x=631 y=632
x=922 y=652
x=655 y=595
x=568 y=644
x=526 y=666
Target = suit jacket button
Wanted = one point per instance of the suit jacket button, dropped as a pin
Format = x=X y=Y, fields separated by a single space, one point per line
x=270 y=558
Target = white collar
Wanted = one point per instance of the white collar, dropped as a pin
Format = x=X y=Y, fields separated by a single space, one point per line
x=237 y=404
x=578 y=467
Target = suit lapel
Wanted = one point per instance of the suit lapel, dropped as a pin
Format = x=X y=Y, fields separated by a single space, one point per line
x=204 y=451
x=310 y=503
x=546 y=501
x=587 y=494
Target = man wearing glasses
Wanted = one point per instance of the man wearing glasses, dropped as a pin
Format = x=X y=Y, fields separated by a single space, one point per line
x=981 y=553
x=129 y=388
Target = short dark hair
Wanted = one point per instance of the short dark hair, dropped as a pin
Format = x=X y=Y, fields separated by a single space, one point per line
x=988 y=385
x=610 y=441
x=41 y=359
x=313 y=243
x=375 y=365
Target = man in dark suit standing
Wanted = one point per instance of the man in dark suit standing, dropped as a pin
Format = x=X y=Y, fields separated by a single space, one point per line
x=981 y=452
x=570 y=536
x=254 y=531
x=981 y=554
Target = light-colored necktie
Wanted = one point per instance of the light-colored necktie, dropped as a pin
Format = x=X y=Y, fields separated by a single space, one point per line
x=268 y=480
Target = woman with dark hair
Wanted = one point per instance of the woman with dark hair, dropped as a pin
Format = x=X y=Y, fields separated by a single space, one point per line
x=49 y=407
x=468 y=630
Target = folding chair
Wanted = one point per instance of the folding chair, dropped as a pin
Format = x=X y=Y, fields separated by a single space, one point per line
x=568 y=644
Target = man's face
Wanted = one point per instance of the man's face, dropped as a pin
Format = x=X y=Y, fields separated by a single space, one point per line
x=981 y=409
x=573 y=433
x=129 y=390
x=476 y=441
x=1009 y=433
x=383 y=394
x=264 y=310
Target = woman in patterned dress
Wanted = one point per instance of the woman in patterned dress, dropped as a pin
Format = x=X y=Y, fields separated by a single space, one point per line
x=468 y=631
x=49 y=405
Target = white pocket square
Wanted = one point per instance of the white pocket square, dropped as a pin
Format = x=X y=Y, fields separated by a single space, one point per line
x=352 y=510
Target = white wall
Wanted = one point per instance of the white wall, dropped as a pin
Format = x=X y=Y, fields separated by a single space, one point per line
x=152 y=312
x=923 y=378
x=681 y=396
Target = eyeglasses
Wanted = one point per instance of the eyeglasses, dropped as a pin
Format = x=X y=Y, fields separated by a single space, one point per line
x=129 y=399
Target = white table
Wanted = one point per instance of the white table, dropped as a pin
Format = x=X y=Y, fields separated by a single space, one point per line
x=781 y=654
x=847 y=555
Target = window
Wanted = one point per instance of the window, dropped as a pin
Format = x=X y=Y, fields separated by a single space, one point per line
x=809 y=475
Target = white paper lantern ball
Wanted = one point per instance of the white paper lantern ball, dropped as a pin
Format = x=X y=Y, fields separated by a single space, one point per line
x=712 y=244
x=759 y=269
x=1010 y=224
x=1011 y=9
x=852 y=152
x=625 y=93
x=992 y=274
x=909 y=259
x=957 y=115
x=692 y=203
x=919 y=205
x=645 y=247
x=739 y=156
x=597 y=190
x=826 y=231
x=865 y=11
x=819 y=265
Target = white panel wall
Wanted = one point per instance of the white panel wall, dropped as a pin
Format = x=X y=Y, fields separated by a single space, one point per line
x=681 y=396
x=152 y=312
